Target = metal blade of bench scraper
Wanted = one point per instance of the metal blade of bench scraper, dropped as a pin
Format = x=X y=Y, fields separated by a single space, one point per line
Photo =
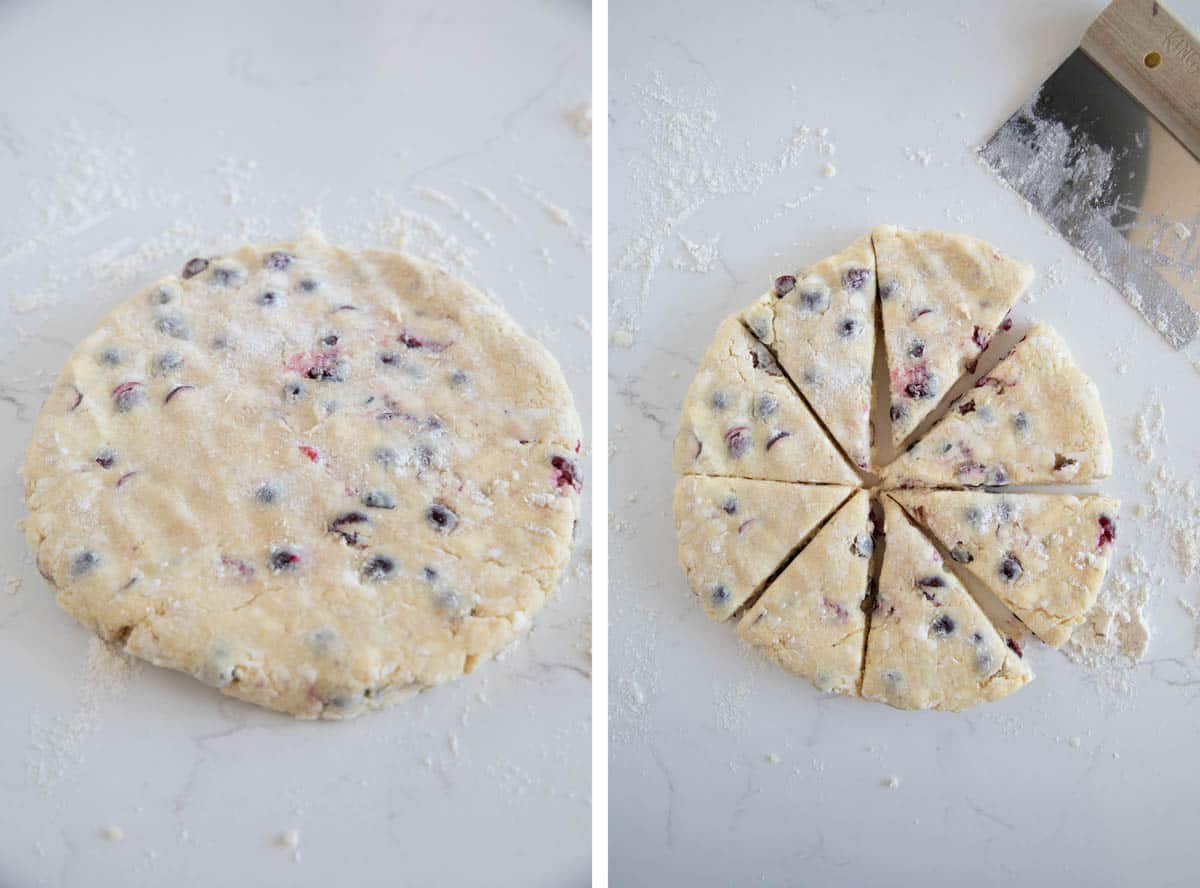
x=1117 y=185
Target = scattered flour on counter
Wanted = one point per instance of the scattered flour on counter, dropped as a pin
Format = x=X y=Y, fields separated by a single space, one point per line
x=1175 y=505
x=498 y=205
x=919 y=155
x=1119 y=357
x=121 y=264
x=786 y=207
x=235 y=178
x=19 y=250
x=730 y=702
x=631 y=691
x=622 y=338
x=701 y=257
x=1149 y=431
x=1115 y=635
x=1192 y=610
x=458 y=212
x=290 y=839
x=556 y=213
x=545 y=332
x=95 y=179
x=890 y=782
x=961 y=216
x=56 y=745
x=24 y=303
x=580 y=119
x=687 y=167
x=391 y=226
x=1049 y=281
x=98 y=180
x=1174 y=512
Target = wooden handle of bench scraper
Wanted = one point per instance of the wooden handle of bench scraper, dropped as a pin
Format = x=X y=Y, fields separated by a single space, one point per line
x=1155 y=58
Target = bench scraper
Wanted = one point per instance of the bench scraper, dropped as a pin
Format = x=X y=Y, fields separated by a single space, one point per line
x=1108 y=151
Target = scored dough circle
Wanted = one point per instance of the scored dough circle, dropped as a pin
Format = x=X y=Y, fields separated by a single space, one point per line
x=803 y=608
x=320 y=480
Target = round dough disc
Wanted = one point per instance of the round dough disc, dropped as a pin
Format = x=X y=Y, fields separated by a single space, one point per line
x=317 y=479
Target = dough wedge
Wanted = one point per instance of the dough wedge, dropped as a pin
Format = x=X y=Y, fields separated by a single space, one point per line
x=734 y=533
x=820 y=322
x=929 y=645
x=810 y=620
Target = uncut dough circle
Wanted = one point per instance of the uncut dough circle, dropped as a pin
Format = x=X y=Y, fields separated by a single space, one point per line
x=316 y=525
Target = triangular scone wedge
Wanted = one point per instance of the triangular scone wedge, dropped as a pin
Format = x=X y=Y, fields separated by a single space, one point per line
x=942 y=297
x=820 y=322
x=1035 y=419
x=810 y=619
x=734 y=533
x=929 y=645
x=1043 y=554
x=742 y=418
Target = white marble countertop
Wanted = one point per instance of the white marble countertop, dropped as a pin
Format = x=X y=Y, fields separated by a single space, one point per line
x=137 y=134
x=724 y=769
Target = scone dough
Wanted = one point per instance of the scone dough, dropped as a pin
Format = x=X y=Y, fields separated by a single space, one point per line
x=930 y=646
x=319 y=480
x=742 y=418
x=1034 y=419
x=1043 y=555
x=820 y=322
x=921 y=641
x=733 y=533
x=943 y=296
x=810 y=619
